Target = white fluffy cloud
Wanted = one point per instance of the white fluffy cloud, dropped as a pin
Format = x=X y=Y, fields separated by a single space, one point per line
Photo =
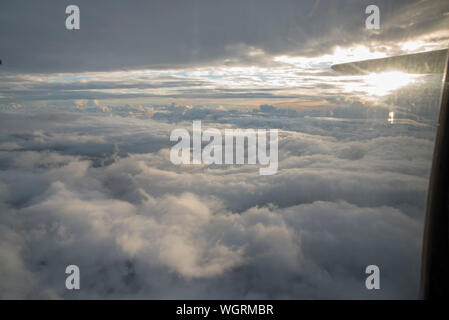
x=100 y=192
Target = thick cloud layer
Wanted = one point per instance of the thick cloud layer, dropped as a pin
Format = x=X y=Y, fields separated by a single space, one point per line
x=98 y=190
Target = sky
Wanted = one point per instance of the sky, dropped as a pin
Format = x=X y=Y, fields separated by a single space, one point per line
x=211 y=53
x=85 y=175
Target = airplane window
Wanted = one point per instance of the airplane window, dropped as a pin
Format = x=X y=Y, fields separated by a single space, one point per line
x=217 y=149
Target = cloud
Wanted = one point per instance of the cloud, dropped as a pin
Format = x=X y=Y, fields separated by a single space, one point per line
x=194 y=33
x=99 y=191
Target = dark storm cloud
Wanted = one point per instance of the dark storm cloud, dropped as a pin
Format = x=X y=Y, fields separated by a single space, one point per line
x=170 y=34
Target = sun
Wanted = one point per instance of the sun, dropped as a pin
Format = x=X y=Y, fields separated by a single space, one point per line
x=381 y=84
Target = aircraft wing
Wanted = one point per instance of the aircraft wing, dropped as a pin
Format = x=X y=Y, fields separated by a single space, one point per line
x=423 y=62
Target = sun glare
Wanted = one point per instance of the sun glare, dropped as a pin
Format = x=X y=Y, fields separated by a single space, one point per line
x=382 y=84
